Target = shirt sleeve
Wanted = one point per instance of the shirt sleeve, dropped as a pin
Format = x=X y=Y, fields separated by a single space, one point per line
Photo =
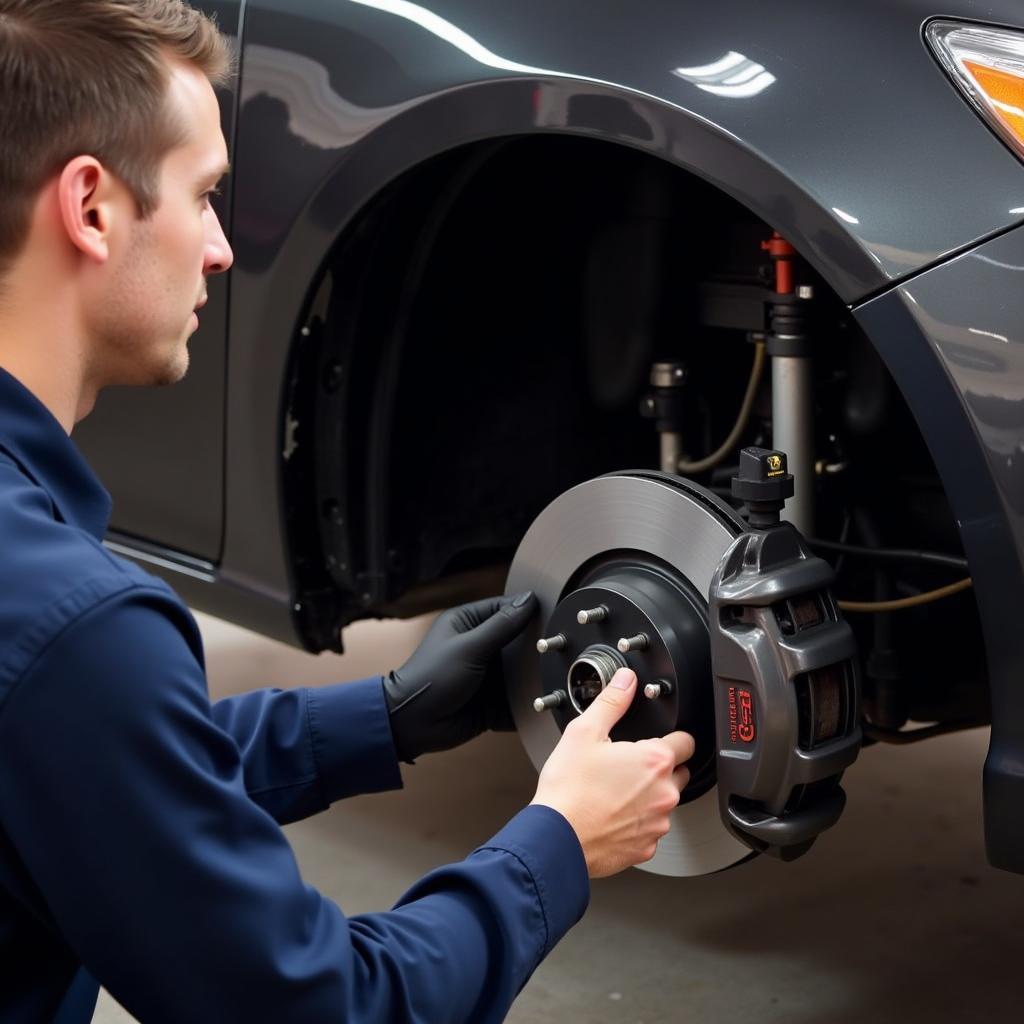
x=127 y=804
x=303 y=749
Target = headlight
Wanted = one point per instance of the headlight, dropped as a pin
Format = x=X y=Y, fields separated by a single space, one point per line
x=987 y=65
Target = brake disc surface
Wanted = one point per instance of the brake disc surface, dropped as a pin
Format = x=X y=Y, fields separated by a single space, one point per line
x=674 y=521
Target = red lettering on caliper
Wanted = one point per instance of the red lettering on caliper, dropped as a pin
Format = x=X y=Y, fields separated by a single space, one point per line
x=741 y=715
x=746 y=726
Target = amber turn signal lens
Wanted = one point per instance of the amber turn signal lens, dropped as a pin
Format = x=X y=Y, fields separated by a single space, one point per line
x=1005 y=93
x=987 y=66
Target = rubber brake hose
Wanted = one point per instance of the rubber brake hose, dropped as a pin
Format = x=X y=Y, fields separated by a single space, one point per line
x=729 y=444
x=907 y=602
x=726 y=449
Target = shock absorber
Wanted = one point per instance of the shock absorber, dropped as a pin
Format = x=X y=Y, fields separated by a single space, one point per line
x=665 y=405
x=788 y=346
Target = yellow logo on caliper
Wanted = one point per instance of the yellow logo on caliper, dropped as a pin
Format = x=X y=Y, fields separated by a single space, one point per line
x=774 y=465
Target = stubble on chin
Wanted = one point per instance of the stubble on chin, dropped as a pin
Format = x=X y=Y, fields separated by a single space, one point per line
x=129 y=359
x=177 y=371
x=173 y=369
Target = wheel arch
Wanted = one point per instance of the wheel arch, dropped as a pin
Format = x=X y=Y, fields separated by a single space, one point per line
x=262 y=378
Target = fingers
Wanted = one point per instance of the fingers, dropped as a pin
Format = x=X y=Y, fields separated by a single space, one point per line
x=469 y=616
x=681 y=778
x=497 y=621
x=682 y=744
x=611 y=703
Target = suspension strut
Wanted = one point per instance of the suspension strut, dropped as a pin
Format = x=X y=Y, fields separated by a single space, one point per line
x=788 y=346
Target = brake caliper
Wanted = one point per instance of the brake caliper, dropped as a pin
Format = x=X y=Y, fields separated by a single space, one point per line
x=786 y=679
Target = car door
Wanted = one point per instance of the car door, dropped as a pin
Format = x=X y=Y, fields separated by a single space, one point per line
x=160 y=451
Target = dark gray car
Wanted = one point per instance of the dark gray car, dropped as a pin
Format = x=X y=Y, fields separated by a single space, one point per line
x=487 y=252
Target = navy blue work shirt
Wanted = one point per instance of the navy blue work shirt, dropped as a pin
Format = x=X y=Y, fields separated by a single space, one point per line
x=140 y=838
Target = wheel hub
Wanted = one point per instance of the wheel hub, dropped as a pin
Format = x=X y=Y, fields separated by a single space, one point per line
x=648 y=619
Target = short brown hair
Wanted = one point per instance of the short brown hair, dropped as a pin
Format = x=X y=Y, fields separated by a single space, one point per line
x=90 y=77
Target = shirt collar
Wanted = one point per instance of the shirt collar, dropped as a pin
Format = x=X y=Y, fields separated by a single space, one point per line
x=31 y=435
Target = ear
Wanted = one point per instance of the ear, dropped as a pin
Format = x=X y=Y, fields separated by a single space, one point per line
x=86 y=193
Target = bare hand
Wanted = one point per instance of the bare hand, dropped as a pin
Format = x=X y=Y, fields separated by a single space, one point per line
x=617 y=796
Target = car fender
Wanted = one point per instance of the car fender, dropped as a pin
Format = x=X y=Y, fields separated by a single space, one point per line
x=858 y=150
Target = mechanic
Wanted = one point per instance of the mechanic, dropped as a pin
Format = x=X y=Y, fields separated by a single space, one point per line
x=140 y=827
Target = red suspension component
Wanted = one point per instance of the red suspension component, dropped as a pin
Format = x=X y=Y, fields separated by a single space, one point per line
x=781 y=253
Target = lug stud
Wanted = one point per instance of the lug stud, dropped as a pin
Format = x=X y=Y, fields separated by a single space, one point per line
x=661 y=688
x=551 y=643
x=598 y=614
x=633 y=643
x=553 y=700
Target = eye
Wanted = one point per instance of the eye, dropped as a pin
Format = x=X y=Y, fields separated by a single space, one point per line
x=208 y=196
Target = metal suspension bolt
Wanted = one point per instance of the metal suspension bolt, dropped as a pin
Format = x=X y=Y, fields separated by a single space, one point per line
x=598 y=614
x=661 y=688
x=668 y=375
x=551 y=643
x=633 y=643
x=553 y=700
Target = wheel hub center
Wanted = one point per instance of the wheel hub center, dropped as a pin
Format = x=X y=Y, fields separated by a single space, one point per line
x=631 y=612
x=590 y=673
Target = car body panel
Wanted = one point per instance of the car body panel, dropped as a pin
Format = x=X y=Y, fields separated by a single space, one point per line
x=958 y=356
x=168 y=484
x=879 y=158
x=339 y=98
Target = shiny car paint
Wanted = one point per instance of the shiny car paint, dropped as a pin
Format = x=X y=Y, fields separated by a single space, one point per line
x=830 y=121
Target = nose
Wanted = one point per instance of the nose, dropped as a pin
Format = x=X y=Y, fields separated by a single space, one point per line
x=218 y=256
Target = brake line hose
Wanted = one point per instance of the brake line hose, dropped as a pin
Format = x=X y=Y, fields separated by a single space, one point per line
x=729 y=444
x=907 y=602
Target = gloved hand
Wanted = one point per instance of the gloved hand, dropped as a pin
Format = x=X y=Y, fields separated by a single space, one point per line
x=453 y=688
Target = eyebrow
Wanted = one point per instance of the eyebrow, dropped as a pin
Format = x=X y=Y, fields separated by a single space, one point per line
x=216 y=175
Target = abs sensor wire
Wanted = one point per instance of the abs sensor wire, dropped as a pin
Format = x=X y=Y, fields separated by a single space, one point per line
x=843 y=549
x=891 y=554
x=899 y=555
x=895 y=555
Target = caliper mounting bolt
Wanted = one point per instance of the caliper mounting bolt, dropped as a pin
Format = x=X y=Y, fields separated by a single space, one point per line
x=598 y=614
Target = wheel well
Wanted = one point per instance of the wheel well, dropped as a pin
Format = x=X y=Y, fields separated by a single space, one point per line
x=481 y=341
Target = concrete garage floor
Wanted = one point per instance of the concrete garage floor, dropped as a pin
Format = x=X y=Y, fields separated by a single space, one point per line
x=892 y=917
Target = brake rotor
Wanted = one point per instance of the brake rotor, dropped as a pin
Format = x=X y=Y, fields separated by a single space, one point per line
x=642 y=546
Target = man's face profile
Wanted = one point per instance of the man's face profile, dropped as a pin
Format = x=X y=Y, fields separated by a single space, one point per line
x=142 y=310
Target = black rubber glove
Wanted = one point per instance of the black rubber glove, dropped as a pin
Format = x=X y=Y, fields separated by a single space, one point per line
x=453 y=688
